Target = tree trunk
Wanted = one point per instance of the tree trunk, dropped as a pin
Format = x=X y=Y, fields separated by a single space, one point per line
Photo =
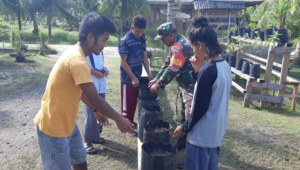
x=19 y=17
x=49 y=26
x=120 y=29
x=283 y=22
x=171 y=14
x=35 y=26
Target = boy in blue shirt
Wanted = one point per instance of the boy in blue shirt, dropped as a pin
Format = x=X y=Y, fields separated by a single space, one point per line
x=132 y=49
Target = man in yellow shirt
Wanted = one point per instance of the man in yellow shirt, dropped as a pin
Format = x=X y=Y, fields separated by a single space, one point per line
x=70 y=80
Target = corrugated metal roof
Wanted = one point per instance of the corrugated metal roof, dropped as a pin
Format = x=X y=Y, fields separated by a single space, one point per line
x=219 y=5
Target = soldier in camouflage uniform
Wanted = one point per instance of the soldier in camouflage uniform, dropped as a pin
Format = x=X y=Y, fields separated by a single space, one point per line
x=176 y=65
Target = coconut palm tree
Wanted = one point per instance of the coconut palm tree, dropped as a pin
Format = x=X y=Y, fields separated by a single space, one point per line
x=275 y=9
x=66 y=9
x=171 y=14
x=15 y=6
x=124 y=10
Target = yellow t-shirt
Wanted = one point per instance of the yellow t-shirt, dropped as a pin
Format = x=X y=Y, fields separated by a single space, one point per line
x=60 y=103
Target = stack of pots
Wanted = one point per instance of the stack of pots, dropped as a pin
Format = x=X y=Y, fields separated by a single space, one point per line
x=153 y=132
x=143 y=88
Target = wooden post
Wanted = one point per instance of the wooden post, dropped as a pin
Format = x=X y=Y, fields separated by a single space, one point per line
x=275 y=80
x=238 y=55
x=248 y=91
x=294 y=102
x=283 y=74
x=268 y=74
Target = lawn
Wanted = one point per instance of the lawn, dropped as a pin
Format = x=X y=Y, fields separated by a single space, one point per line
x=255 y=138
x=58 y=35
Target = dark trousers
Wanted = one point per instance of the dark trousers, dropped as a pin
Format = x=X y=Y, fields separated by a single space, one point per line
x=92 y=129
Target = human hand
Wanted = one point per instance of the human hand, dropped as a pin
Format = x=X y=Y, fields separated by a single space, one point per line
x=124 y=124
x=135 y=82
x=101 y=119
x=154 y=88
x=98 y=74
x=197 y=63
x=106 y=71
x=177 y=133
x=151 y=83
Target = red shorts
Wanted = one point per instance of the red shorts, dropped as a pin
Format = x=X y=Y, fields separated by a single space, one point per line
x=129 y=95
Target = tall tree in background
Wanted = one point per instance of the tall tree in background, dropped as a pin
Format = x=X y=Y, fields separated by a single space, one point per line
x=171 y=15
x=124 y=10
x=275 y=9
x=66 y=9
x=15 y=6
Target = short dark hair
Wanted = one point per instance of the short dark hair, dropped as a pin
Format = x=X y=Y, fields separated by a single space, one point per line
x=96 y=24
x=204 y=33
x=139 y=22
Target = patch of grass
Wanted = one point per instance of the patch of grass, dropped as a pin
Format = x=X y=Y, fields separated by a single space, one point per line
x=14 y=76
x=150 y=35
x=255 y=138
x=58 y=35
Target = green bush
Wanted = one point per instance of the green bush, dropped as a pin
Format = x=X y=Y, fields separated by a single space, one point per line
x=150 y=35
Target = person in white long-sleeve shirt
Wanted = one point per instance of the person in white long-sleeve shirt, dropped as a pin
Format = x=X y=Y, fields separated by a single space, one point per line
x=93 y=128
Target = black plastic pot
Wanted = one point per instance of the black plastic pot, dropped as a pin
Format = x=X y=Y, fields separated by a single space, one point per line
x=254 y=70
x=144 y=90
x=283 y=37
x=149 y=112
x=261 y=35
x=232 y=61
x=241 y=31
x=236 y=33
x=153 y=161
x=248 y=31
x=245 y=67
x=144 y=80
x=253 y=33
x=239 y=64
x=146 y=100
x=20 y=59
x=157 y=131
x=267 y=34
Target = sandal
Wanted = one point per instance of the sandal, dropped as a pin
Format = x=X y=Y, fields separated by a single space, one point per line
x=135 y=125
x=132 y=134
x=89 y=149
x=100 y=141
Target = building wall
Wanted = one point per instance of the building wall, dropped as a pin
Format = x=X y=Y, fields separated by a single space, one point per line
x=220 y=18
x=157 y=18
x=217 y=18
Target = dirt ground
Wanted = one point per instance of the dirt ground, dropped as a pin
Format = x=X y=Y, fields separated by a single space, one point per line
x=255 y=138
x=18 y=141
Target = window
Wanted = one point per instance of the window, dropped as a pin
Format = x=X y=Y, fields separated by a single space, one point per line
x=155 y=14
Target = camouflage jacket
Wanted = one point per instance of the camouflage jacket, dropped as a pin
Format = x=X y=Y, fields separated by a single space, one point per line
x=178 y=65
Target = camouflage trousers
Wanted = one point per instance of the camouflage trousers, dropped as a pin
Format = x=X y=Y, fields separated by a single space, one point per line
x=186 y=104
